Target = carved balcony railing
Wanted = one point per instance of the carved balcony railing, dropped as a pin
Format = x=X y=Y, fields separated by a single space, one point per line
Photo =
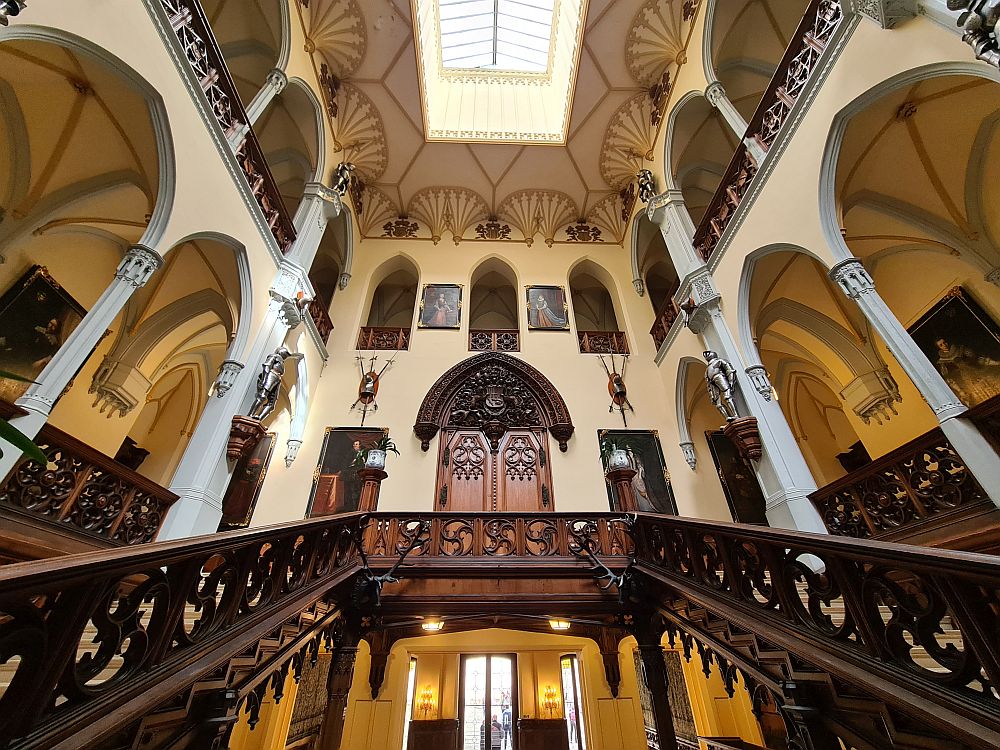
x=664 y=322
x=87 y=491
x=209 y=66
x=912 y=627
x=513 y=537
x=899 y=491
x=495 y=340
x=103 y=639
x=375 y=338
x=602 y=342
x=801 y=58
x=319 y=312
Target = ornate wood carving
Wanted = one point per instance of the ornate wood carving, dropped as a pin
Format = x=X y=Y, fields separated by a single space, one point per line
x=496 y=340
x=87 y=490
x=493 y=392
x=390 y=339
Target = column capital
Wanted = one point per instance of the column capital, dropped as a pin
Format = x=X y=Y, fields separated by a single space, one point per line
x=293 y=292
x=291 y=451
x=761 y=382
x=277 y=79
x=327 y=197
x=852 y=277
x=886 y=13
x=668 y=197
x=715 y=93
x=639 y=286
x=345 y=279
x=139 y=263
x=699 y=288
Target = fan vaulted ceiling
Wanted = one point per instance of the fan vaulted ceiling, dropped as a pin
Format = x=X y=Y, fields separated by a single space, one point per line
x=417 y=187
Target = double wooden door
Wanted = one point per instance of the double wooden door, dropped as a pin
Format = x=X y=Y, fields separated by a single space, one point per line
x=473 y=478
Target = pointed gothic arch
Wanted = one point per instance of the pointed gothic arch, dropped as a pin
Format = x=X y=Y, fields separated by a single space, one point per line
x=493 y=392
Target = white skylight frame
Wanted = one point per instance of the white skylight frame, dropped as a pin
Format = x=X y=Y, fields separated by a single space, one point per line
x=491 y=105
x=503 y=35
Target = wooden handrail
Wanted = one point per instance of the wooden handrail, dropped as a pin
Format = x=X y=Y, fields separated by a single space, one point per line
x=804 y=51
x=665 y=318
x=320 y=313
x=87 y=490
x=188 y=20
x=919 y=479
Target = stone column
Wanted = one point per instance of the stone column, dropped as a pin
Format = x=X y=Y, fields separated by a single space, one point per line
x=338 y=687
x=979 y=456
x=782 y=472
x=274 y=84
x=135 y=269
x=203 y=473
x=669 y=212
x=717 y=97
x=654 y=669
x=318 y=207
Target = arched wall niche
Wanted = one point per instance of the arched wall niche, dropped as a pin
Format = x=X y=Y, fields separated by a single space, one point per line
x=515 y=394
x=595 y=306
x=392 y=293
x=652 y=264
x=493 y=298
x=589 y=267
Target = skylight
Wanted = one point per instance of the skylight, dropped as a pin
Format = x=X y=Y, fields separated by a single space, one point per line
x=507 y=35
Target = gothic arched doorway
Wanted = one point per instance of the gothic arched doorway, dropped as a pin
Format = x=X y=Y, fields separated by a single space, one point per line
x=494 y=413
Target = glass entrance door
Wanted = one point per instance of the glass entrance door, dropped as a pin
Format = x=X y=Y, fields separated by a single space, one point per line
x=489 y=702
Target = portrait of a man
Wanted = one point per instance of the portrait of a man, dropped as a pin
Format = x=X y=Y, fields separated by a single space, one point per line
x=963 y=342
x=547 y=308
x=336 y=484
x=441 y=306
x=36 y=317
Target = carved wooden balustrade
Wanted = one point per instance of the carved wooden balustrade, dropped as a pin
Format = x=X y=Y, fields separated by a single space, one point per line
x=899 y=491
x=664 y=321
x=909 y=627
x=801 y=58
x=100 y=641
x=319 y=312
x=86 y=490
x=383 y=338
x=495 y=340
x=602 y=342
x=188 y=20
x=515 y=537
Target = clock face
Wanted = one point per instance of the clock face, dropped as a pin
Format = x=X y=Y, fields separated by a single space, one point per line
x=368 y=389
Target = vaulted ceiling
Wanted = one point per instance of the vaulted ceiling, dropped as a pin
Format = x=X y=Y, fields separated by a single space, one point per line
x=630 y=49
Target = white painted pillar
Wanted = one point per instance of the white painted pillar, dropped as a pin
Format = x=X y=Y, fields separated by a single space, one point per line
x=979 y=456
x=319 y=205
x=203 y=473
x=782 y=472
x=717 y=97
x=274 y=84
x=135 y=269
x=669 y=212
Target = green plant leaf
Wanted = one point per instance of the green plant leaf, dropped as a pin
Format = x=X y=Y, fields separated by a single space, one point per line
x=14 y=376
x=22 y=442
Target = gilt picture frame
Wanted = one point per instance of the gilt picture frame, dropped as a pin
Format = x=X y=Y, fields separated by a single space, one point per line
x=440 y=306
x=548 y=307
x=963 y=342
x=336 y=486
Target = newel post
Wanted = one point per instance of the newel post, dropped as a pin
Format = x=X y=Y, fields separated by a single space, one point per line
x=371 y=484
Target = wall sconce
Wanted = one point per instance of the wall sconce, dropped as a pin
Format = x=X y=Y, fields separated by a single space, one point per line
x=550 y=699
x=559 y=624
x=426 y=701
x=432 y=626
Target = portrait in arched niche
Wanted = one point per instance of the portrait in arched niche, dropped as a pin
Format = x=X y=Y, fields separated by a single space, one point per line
x=441 y=306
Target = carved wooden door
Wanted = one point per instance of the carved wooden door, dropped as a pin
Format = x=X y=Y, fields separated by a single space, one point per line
x=472 y=478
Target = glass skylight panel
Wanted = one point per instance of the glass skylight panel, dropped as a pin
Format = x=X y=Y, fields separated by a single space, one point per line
x=512 y=35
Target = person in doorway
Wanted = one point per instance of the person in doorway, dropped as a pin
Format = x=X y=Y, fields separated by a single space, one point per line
x=496 y=734
x=507 y=725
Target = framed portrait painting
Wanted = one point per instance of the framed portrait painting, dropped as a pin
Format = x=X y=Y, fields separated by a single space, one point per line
x=651 y=483
x=36 y=317
x=963 y=342
x=336 y=485
x=441 y=306
x=244 y=488
x=547 y=308
x=739 y=482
